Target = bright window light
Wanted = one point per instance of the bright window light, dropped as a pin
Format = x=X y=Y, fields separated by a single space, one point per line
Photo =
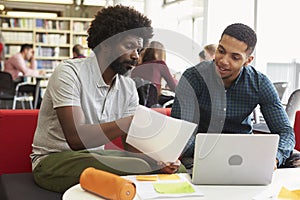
x=43 y=1
x=30 y=14
x=98 y=2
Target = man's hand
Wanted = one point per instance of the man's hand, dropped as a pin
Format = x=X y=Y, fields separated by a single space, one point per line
x=275 y=167
x=42 y=72
x=169 y=168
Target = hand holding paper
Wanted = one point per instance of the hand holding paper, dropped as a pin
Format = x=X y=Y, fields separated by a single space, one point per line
x=160 y=137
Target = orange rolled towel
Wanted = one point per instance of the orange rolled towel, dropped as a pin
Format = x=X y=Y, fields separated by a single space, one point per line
x=107 y=185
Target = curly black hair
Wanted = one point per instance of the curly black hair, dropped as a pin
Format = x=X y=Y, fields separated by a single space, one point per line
x=242 y=33
x=116 y=19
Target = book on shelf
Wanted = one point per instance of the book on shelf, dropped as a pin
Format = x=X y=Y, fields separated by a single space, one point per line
x=17 y=37
x=47 y=64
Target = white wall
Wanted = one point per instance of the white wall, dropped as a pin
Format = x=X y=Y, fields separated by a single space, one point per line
x=222 y=13
x=278 y=32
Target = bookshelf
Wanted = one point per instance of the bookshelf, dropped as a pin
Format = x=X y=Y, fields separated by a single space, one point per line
x=52 y=38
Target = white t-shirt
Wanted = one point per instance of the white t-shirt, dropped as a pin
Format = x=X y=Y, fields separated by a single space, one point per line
x=78 y=82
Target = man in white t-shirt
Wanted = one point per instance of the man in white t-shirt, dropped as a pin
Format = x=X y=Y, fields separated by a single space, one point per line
x=89 y=102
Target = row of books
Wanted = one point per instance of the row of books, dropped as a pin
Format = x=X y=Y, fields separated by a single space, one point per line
x=52 y=24
x=47 y=64
x=52 y=38
x=12 y=49
x=18 y=37
x=80 y=40
x=27 y=23
x=17 y=23
x=81 y=26
x=52 y=52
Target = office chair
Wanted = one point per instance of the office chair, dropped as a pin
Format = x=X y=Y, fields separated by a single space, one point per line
x=22 y=93
x=293 y=105
x=147 y=92
x=7 y=90
x=280 y=88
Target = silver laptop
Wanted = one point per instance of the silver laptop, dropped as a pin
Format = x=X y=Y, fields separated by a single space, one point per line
x=234 y=159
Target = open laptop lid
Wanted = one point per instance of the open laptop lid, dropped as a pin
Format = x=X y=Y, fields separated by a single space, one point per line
x=234 y=159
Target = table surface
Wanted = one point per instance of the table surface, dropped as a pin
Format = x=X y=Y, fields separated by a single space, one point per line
x=289 y=178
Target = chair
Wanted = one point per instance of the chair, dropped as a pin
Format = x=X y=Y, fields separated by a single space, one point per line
x=291 y=108
x=293 y=105
x=147 y=92
x=297 y=130
x=16 y=180
x=6 y=88
x=281 y=88
x=23 y=91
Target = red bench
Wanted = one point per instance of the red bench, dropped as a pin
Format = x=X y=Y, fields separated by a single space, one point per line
x=17 y=129
x=297 y=130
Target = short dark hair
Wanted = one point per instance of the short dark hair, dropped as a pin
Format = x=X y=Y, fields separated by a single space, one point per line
x=116 y=19
x=202 y=54
x=26 y=46
x=242 y=33
x=77 y=48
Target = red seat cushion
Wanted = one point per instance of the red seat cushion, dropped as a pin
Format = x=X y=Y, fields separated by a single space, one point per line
x=17 y=128
x=297 y=130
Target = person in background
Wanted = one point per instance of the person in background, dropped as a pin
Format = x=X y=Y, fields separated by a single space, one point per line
x=154 y=68
x=201 y=56
x=22 y=64
x=221 y=94
x=78 y=51
x=90 y=102
x=210 y=51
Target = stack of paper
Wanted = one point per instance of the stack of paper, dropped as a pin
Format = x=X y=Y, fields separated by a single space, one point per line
x=159 y=136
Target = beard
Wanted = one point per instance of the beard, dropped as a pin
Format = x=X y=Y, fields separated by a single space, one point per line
x=122 y=67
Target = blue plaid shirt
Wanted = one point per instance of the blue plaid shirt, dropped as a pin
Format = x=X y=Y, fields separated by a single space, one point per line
x=201 y=98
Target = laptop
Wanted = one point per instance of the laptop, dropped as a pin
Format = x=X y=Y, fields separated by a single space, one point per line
x=234 y=159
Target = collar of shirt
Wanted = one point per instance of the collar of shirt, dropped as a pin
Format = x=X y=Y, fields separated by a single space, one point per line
x=98 y=75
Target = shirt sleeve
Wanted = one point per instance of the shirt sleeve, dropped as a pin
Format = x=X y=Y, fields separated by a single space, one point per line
x=171 y=82
x=20 y=64
x=276 y=119
x=64 y=86
x=186 y=107
x=185 y=104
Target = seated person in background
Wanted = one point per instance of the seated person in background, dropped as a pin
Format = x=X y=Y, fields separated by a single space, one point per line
x=220 y=95
x=22 y=64
x=210 y=51
x=88 y=103
x=78 y=51
x=153 y=67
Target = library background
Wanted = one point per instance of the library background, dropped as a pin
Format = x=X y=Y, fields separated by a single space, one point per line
x=52 y=39
x=54 y=27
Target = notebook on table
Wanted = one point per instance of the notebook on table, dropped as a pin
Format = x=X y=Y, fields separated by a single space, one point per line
x=234 y=159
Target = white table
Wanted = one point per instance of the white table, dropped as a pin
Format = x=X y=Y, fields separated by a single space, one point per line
x=289 y=178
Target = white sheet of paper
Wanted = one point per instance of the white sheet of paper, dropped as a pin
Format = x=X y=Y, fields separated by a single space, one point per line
x=159 y=136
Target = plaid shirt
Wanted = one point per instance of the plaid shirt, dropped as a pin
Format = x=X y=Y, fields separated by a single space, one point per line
x=202 y=99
